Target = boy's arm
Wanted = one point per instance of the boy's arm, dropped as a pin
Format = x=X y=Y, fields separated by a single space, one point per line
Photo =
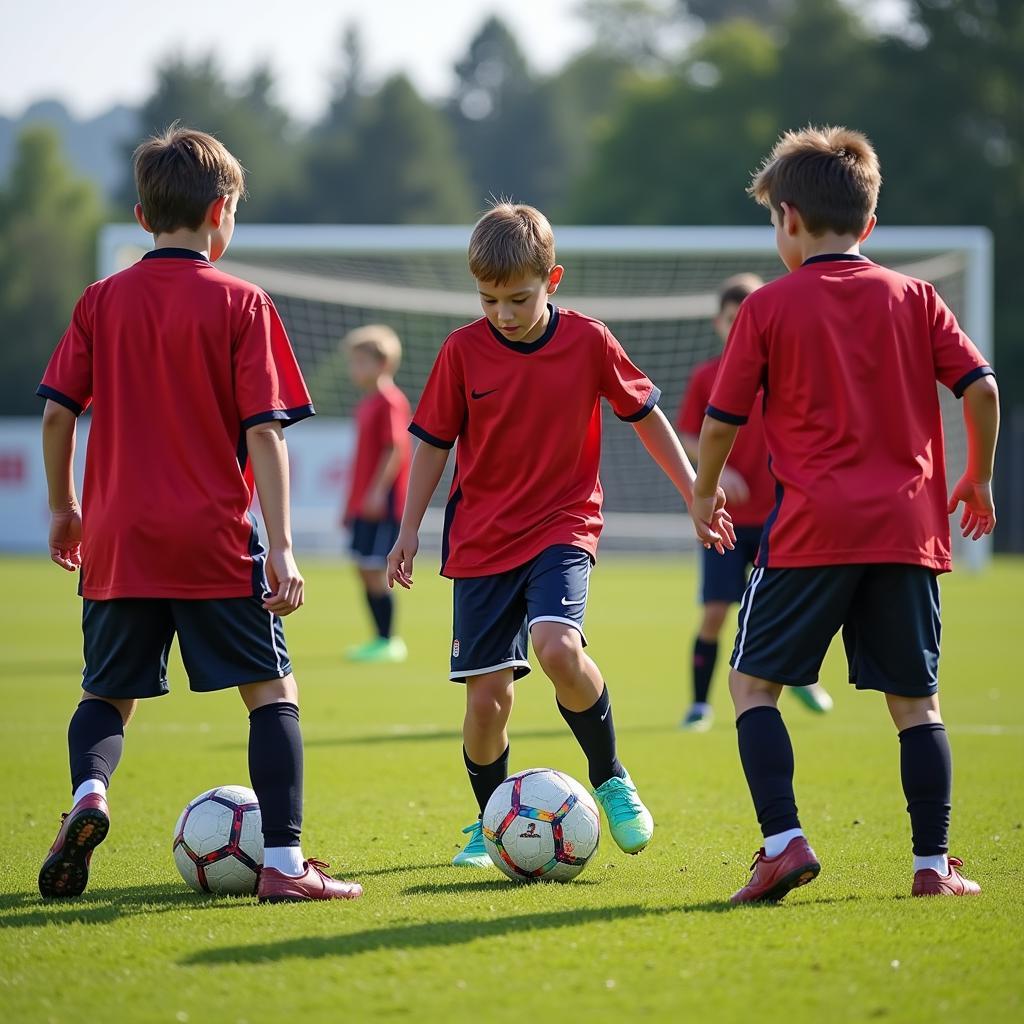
x=387 y=471
x=660 y=440
x=716 y=441
x=269 y=455
x=974 y=489
x=59 y=426
x=428 y=464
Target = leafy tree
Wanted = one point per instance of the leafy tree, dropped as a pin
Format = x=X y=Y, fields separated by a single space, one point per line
x=244 y=116
x=48 y=224
x=396 y=166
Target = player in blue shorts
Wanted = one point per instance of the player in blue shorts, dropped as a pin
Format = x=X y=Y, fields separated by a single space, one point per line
x=750 y=489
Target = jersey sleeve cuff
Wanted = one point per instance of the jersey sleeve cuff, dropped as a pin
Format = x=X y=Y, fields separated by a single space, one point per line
x=645 y=410
x=44 y=391
x=969 y=378
x=417 y=431
x=725 y=417
x=286 y=417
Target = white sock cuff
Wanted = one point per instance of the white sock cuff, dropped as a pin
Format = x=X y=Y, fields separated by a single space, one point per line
x=286 y=859
x=939 y=864
x=774 y=845
x=87 y=787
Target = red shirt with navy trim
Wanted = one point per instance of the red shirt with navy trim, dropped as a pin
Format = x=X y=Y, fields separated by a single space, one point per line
x=749 y=455
x=176 y=361
x=527 y=419
x=848 y=354
x=382 y=423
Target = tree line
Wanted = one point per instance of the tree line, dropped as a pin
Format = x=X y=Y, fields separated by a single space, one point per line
x=659 y=121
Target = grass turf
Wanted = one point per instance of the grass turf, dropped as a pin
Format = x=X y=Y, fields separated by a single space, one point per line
x=386 y=795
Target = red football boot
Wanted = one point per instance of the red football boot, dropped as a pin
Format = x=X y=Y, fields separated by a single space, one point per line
x=65 y=872
x=773 y=877
x=315 y=884
x=931 y=883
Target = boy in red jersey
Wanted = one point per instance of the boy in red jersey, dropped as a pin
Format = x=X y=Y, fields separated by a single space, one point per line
x=380 y=475
x=191 y=378
x=520 y=391
x=750 y=490
x=847 y=354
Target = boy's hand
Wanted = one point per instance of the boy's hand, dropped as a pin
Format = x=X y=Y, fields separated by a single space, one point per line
x=66 y=538
x=401 y=558
x=735 y=486
x=286 y=583
x=711 y=522
x=979 y=515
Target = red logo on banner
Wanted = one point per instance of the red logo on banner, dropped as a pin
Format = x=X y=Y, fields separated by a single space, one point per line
x=12 y=468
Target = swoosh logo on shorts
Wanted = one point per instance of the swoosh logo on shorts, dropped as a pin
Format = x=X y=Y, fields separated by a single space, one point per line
x=567 y=603
x=482 y=394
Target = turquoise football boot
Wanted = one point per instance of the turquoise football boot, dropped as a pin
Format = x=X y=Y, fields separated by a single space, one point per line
x=815 y=697
x=474 y=854
x=630 y=822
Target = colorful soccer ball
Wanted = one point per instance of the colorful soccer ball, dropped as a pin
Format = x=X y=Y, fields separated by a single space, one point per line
x=218 y=842
x=541 y=824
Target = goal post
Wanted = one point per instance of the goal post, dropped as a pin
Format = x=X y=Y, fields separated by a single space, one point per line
x=654 y=286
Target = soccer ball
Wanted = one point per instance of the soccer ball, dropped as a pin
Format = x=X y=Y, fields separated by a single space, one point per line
x=541 y=824
x=218 y=842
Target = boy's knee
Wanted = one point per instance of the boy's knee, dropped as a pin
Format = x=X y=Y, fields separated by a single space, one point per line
x=750 y=691
x=489 y=699
x=558 y=649
x=270 y=691
x=906 y=712
x=124 y=707
x=713 y=619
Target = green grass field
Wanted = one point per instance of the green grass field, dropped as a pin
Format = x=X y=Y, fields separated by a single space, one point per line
x=386 y=794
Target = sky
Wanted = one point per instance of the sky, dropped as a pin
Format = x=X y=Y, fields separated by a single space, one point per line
x=93 y=55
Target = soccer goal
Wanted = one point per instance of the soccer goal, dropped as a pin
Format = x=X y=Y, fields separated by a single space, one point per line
x=655 y=287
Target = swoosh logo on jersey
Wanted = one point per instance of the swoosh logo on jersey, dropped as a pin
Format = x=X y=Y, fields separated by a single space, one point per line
x=567 y=603
x=482 y=394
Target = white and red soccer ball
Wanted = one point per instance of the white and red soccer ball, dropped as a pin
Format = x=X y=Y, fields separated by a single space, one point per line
x=218 y=841
x=541 y=824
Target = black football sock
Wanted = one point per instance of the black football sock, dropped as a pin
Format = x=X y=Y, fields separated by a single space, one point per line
x=275 y=770
x=705 y=654
x=926 y=767
x=95 y=742
x=486 y=778
x=382 y=609
x=594 y=730
x=767 y=757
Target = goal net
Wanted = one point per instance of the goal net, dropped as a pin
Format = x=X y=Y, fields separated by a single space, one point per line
x=654 y=287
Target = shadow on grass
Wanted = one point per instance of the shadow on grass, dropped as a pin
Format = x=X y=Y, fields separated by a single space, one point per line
x=360 y=873
x=102 y=906
x=416 y=936
x=485 y=885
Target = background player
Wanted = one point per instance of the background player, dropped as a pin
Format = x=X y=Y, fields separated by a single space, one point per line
x=380 y=475
x=750 y=490
x=520 y=391
x=848 y=353
x=191 y=378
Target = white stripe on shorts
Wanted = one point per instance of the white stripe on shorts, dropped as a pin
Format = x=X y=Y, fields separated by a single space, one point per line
x=748 y=603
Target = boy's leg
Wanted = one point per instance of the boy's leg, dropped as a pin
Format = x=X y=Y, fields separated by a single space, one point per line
x=379 y=599
x=485 y=746
x=705 y=657
x=371 y=542
x=556 y=600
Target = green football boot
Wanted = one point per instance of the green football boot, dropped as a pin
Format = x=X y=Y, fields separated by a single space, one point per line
x=474 y=854
x=630 y=822
x=815 y=697
x=379 y=651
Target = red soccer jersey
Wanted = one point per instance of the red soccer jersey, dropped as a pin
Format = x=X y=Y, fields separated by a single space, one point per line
x=749 y=456
x=177 y=360
x=848 y=353
x=382 y=423
x=527 y=418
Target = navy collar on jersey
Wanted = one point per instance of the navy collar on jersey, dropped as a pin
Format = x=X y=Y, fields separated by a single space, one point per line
x=171 y=253
x=829 y=257
x=533 y=346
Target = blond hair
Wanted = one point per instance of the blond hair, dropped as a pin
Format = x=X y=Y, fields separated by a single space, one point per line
x=509 y=242
x=830 y=174
x=377 y=339
x=179 y=172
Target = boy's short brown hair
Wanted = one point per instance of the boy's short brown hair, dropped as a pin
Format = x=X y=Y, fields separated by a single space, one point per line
x=831 y=175
x=733 y=290
x=178 y=173
x=377 y=339
x=509 y=242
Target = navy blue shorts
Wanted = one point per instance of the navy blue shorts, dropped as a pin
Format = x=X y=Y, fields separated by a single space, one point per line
x=224 y=642
x=371 y=542
x=724 y=577
x=889 y=615
x=493 y=614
